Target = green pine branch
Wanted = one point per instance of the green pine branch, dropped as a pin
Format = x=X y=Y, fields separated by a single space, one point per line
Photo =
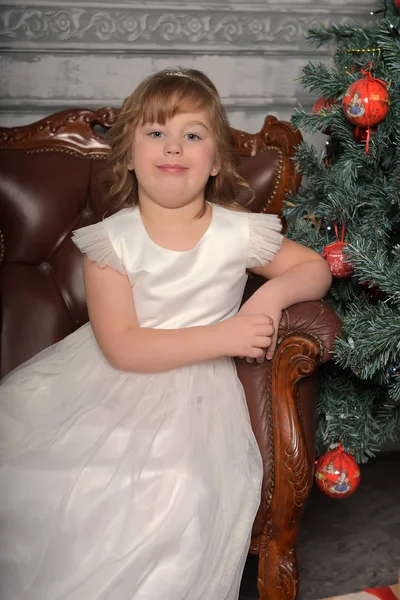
x=360 y=388
x=318 y=78
x=371 y=338
x=357 y=413
x=374 y=266
x=321 y=35
x=394 y=390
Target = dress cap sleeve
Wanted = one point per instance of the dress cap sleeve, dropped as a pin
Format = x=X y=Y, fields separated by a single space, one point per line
x=265 y=239
x=95 y=241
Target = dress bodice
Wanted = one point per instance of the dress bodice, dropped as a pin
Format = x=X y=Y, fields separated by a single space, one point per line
x=173 y=289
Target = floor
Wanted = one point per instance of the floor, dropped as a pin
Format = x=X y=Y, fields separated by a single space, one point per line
x=349 y=544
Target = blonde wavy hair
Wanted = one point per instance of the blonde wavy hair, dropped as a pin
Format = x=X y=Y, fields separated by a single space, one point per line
x=157 y=99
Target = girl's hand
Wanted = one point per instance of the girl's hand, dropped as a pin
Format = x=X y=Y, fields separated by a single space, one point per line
x=246 y=335
x=258 y=306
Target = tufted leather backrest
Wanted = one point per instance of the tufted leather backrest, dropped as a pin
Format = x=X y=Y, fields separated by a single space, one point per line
x=49 y=186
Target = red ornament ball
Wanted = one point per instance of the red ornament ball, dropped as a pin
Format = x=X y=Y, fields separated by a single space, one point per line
x=366 y=102
x=321 y=107
x=337 y=261
x=397 y=4
x=337 y=474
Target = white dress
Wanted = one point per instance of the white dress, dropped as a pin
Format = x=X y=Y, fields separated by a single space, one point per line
x=124 y=486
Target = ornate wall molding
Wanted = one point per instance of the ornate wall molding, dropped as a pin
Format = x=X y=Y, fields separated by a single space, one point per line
x=245 y=28
x=56 y=54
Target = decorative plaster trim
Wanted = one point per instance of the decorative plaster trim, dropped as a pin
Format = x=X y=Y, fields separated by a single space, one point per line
x=242 y=28
x=353 y=6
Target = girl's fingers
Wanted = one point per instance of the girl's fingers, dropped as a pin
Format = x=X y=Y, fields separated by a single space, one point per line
x=271 y=348
x=264 y=341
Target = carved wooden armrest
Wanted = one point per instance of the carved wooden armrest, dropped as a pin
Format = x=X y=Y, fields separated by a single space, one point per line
x=316 y=319
x=307 y=333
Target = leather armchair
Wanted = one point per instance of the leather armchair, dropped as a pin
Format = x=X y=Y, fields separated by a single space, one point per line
x=49 y=185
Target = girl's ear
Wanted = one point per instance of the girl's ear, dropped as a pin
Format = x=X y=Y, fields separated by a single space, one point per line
x=130 y=158
x=215 y=170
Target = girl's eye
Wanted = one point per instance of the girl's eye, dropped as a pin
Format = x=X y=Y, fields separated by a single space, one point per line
x=192 y=136
x=155 y=134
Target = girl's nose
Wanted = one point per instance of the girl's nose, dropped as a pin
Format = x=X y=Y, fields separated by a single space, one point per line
x=173 y=148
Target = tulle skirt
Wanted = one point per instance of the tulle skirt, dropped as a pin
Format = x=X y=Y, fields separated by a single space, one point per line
x=118 y=485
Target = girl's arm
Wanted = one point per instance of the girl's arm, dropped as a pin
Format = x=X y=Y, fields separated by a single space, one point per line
x=296 y=274
x=127 y=346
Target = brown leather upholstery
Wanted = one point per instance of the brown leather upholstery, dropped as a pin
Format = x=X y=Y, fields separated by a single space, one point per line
x=49 y=186
x=43 y=197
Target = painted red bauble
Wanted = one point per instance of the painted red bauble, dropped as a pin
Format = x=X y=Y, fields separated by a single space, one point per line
x=337 y=474
x=366 y=102
x=337 y=261
x=397 y=4
x=321 y=107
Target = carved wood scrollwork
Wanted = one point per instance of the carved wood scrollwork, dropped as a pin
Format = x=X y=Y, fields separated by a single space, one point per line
x=280 y=137
x=297 y=356
x=288 y=578
x=282 y=133
x=70 y=131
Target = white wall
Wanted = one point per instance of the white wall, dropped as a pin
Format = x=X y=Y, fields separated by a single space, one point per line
x=90 y=54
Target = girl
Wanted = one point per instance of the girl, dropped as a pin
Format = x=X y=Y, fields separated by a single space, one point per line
x=129 y=467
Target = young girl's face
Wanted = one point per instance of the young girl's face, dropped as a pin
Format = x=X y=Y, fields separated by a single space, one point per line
x=173 y=162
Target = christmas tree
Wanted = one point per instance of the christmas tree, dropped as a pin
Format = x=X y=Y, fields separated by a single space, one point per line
x=351 y=194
